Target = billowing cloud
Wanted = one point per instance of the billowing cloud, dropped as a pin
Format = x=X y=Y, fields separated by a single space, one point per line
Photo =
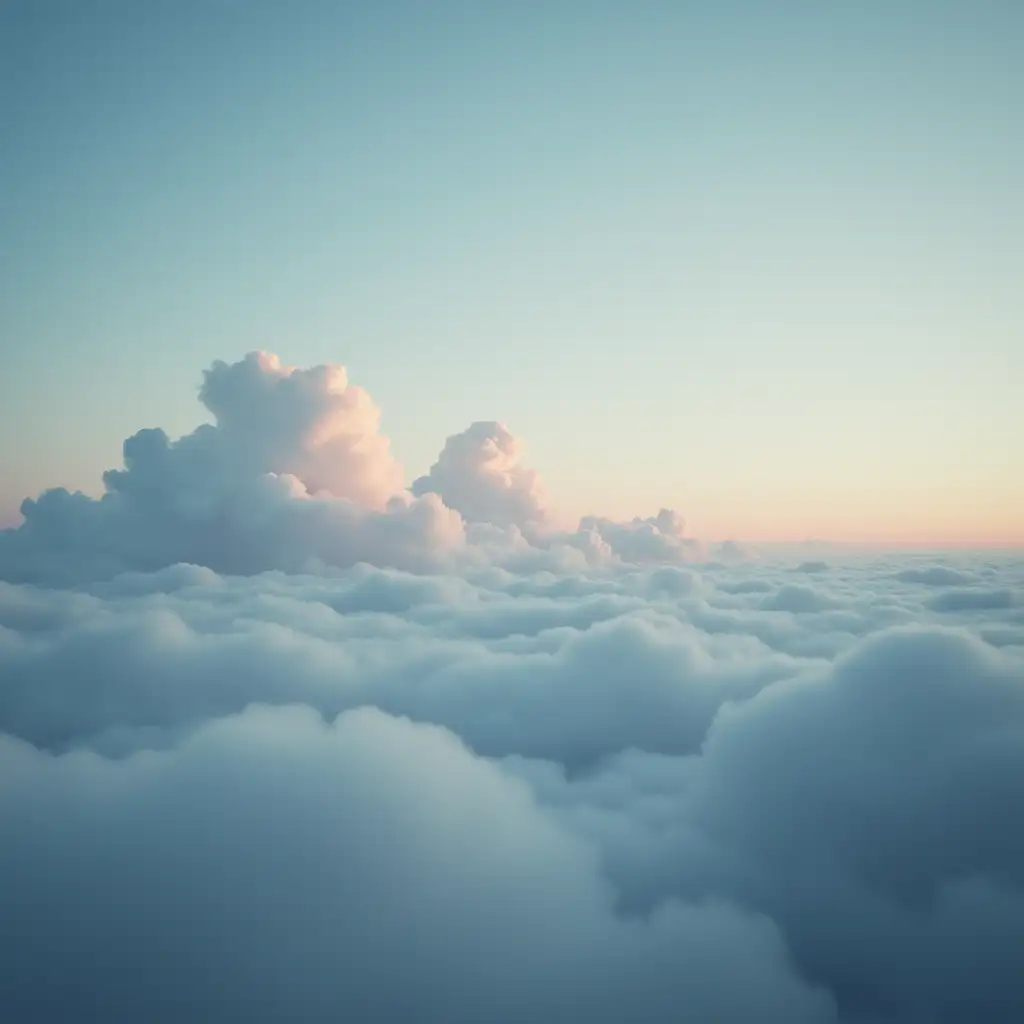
x=613 y=791
x=272 y=867
x=296 y=744
x=876 y=812
x=480 y=474
x=309 y=424
x=660 y=538
x=295 y=475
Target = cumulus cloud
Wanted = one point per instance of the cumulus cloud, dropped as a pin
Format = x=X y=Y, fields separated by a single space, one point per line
x=660 y=538
x=297 y=744
x=292 y=474
x=310 y=424
x=295 y=475
x=480 y=474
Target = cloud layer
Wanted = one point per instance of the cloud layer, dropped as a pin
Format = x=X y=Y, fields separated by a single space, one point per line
x=505 y=772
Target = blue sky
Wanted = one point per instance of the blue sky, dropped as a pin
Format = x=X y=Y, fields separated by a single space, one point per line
x=760 y=262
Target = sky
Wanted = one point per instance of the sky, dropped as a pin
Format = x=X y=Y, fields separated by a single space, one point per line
x=758 y=262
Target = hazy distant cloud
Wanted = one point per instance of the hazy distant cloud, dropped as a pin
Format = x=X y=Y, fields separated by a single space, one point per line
x=974 y=599
x=934 y=576
x=793 y=598
x=745 y=586
x=734 y=551
x=812 y=567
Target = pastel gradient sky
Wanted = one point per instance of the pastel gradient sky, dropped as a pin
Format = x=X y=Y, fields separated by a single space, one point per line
x=762 y=262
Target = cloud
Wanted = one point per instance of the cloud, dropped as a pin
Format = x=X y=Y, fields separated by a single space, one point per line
x=295 y=475
x=272 y=867
x=610 y=787
x=813 y=567
x=865 y=790
x=934 y=576
x=479 y=473
x=310 y=424
x=871 y=811
x=571 y=679
x=280 y=740
x=797 y=599
x=660 y=538
x=734 y=551
x=973 y=599
x=292 y=475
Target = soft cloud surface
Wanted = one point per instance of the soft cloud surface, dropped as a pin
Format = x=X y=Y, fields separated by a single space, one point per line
x=282 y=741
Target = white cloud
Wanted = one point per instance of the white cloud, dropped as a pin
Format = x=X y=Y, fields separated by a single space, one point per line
x=295 y=475
x=378 y=755
x=480 y=474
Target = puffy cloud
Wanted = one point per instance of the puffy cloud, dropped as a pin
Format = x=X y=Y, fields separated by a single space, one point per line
x=298 y=744
x=480 y=474
x=660 y=538
x=875 y=812
x=310 y=424
x=294 y=475
x=604 y=787
x=575 y=677
x=272 y=867
x=871 y=810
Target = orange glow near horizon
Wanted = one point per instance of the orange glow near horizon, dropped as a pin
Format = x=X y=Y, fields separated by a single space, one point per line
x=912 y=520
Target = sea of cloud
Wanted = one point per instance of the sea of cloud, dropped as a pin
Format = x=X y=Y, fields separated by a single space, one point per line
x=281 y=740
